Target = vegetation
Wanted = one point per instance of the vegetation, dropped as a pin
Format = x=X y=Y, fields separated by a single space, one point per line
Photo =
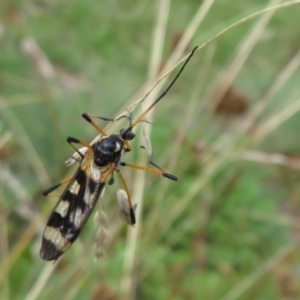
x=229 y=228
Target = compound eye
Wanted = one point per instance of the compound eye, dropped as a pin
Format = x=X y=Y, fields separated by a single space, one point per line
x=118 y=147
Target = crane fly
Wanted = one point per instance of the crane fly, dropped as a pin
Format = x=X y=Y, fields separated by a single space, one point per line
x=96 y=168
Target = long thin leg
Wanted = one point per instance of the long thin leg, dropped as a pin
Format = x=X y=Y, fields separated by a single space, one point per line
x=151 y=162
x=159 y=172
x=88 y=118
x=72 y=140
x=56 y=195
x=131 y=209
x=109 y=119
x=50 y=189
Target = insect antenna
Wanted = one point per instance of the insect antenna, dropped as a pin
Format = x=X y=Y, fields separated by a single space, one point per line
x=141 y=117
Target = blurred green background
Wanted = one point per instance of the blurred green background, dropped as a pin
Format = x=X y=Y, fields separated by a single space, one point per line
x=229 y=129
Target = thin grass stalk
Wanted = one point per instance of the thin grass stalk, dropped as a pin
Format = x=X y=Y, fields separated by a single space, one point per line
x=19 y=101
x=247 y=123
x=255 y=276
x=170 y=65
x=17 y=81
x=296 y=1
x=248 y=18
x=128 y=288
x=214 y=166
x=288 y=71
x=79 y=274
x=139 y=182
x=141 y=91
x=209 y=170
x=270 y=218
x=275 y=121
x=244 y=51
x=81 y=279
x=188 y=34
x=28 y=148
x=176 y=147
x=292 y=108
x=279 y=82
x=199 y=221
x=6 y=136
x=41 y=281
x=235 y=24
x=45 y=74
x=258 y=109
x=271 y=159
x=222 y=32
x=193 y=26
x=202 y=216
x=4 y=249
x=12 y=182
x=20 y=246
x=156 y=258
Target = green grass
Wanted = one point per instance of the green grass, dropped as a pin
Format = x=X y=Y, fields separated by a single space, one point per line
x=228 y=229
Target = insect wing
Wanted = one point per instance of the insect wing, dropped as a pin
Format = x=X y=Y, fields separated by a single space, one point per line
x=72 y=211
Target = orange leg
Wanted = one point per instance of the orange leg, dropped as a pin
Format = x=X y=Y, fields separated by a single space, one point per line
x=131 y=210
x=159 y=172
x=72 y=140
x=55 y=186
x=88 y=117
x=107 y=119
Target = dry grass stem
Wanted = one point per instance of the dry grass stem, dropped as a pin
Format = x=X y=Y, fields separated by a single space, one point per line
x=266 y=217
x=139 y=183
x=128 y=288
x=29 y=150
x=41 y=281
x=244 y=51
x=190 y=114
x=271 y=158
x=18 y=249
x=276 y=120
x=5 y=137
x=38 y=58
x=206 y=151
x=267 y=267
x=4 y=250
x=274 y=89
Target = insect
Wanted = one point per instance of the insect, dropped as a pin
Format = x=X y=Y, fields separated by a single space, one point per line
x=96 y=168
